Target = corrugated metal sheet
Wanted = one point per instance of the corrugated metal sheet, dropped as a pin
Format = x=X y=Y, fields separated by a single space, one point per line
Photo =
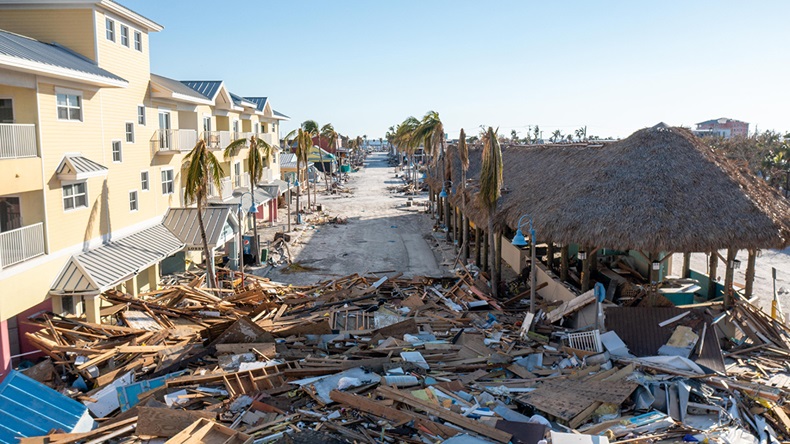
x=638 y=328
x=207 y=88
x=20 y=47
x=279 y=114
x=80 y=165
x=288 y=161
x=241 y=101
x=260 y=102
x=176 y=86
x=29 y=408
x=110 y=264
x=183 y=222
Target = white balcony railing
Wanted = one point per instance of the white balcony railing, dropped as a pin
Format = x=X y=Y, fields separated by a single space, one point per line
x=225 y=191
x=17 y=140
x=217 y=140
x=21 y=244
x=173 y=140
x=242 y=180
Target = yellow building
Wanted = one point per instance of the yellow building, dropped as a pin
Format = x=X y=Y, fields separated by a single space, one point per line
x=91 y=149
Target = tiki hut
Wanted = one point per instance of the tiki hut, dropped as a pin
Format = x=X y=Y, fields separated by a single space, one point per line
x=659 y=190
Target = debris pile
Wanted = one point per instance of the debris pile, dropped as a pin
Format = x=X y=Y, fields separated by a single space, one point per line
x=391 y=359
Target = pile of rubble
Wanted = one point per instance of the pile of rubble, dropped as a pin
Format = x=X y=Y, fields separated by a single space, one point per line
x=390 y=359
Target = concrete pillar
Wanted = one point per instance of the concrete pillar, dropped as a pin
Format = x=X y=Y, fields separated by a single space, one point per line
x=57 y=304
x=5 y=350
x=153 y=276
x=93 y=308
x=750 y=274
x=712 y=272
x=131 y=286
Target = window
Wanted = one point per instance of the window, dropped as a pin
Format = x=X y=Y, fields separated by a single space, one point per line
x=132 y=200
x=75 y=195
x=6 y=111
x=138 y=41
x=69 y=106
x=144 y=181
x=129 y=129
x=167 y=182
x=141 y=114
x=110 y=30
x=116 y=151
x=125 y=35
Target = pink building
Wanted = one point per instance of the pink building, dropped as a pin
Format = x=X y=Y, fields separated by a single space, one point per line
x=722 y=127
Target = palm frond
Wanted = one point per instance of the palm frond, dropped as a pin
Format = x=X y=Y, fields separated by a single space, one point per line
x=202 y=168
x=311 y=127
x=234 y=147
x=463 y=150
x=491 y=170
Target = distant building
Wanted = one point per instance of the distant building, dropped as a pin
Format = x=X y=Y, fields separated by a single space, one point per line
x=722 y=127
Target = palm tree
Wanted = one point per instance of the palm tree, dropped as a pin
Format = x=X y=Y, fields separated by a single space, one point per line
x=260 y=153
x=202 y=168
x=329 y=133
x=303 y=144
x=514 y=136
x=556 y=136
x=313 y=130
x=463 y=154
x=431 y=133
x=405 y=136
x=490 y=191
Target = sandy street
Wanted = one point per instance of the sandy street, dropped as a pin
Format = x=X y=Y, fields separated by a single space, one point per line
x=382 y=235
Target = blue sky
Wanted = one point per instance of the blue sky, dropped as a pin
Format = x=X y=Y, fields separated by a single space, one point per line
x=614 y=66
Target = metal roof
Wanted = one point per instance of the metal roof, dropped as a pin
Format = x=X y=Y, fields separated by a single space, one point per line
x=288 y=160
x=104 y=267
x=241 y=101
x=260 y=102
x=183 y=223
x=276 y=187
x=207 y=88
x=279 y=114
x=29 y=408
x=50 y=55
x=76 y=167
x=176 y=86
x=261 y=197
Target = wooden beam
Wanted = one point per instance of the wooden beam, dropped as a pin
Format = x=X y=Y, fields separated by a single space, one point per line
x=728 y=277
x=713 y=266
x=750 y=265
x=564 y=263
x=686 y=272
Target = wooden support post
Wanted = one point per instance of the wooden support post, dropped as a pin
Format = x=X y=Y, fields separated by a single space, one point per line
x=486 y=250
x=564 y=263
x=478 y=247
x=712 y=272
x=686 y=273
x=498 y=259
x=654 y=274
x=550 y=255
x=750 y=273
x=586 y=270
x=465 y=239
x=728 y=277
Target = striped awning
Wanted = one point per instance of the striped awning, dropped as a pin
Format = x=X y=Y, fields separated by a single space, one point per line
x=99 y=269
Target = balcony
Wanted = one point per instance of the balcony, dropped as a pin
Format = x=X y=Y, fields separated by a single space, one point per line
x=242 y=181
x=268 y=138
x=17 y=140
x=225 y=191
x=21 y=244
x=173 y=141
x=217 y=140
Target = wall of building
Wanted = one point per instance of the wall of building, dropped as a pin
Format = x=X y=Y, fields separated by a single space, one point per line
x=72 y=28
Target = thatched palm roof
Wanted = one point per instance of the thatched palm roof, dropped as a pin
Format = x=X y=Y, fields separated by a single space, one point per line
x=661 y=189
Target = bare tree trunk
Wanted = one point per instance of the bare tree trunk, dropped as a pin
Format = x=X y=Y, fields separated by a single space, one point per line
x=492 y=254
x=211 y=280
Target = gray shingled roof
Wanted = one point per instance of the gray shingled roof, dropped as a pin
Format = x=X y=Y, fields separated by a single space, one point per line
x=207 y=88
x=115 y=262
x=183 y=223
x=176 y=86
x=25 y=48
x=260 y=102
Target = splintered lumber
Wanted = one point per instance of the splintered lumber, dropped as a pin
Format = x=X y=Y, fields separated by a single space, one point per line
x=447 y=415
x=571 y=306
x=165 y=422
x=205 y=431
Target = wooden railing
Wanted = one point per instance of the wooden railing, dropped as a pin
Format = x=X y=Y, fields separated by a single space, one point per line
x=21 y=244
x=17 y=140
